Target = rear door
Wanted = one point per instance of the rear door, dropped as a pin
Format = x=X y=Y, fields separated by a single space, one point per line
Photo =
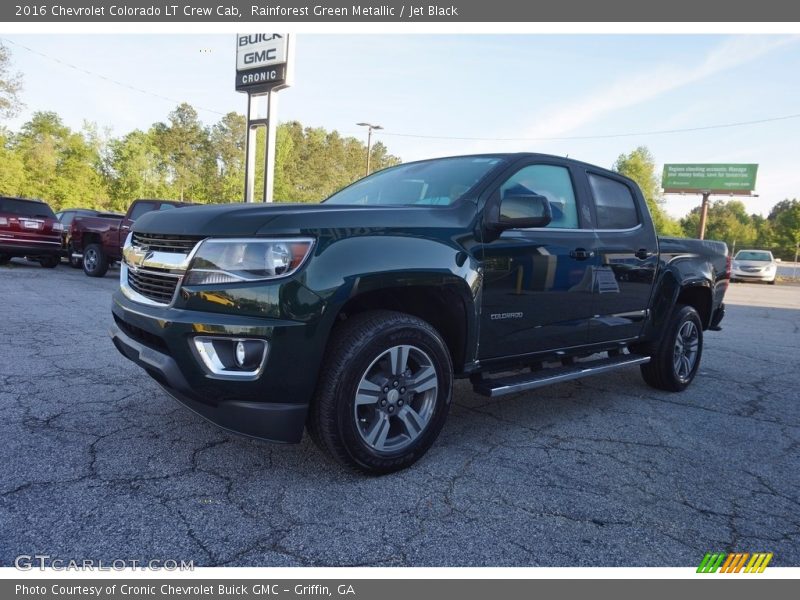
x=537 y=290
x=627 y=250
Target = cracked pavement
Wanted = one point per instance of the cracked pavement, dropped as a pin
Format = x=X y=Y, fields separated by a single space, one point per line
x=99 y=463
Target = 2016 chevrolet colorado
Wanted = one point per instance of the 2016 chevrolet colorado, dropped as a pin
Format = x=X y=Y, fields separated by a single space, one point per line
x=352 y=318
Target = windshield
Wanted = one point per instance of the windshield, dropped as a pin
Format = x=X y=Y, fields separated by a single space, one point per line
x=25 y=208
x=433 y=183
x=753 y=255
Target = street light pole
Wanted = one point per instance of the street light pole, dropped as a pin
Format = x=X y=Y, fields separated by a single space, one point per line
x=369 y=139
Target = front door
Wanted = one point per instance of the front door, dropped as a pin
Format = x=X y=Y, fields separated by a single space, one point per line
x=537 y=290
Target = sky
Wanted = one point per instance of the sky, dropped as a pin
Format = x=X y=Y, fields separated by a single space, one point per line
x=512 y=91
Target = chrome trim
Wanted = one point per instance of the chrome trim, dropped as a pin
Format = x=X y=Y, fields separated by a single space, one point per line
x=203 y=349
x=24 y=241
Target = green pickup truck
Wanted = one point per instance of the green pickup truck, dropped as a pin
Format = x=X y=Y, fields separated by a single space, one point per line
x=352 y=318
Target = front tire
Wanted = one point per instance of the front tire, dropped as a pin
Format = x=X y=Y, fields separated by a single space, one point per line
x=675 y=358
x=384 y=392
x=50 y=262
x=95 y=262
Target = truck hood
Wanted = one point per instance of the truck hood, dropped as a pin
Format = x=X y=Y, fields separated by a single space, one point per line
x=264 y=219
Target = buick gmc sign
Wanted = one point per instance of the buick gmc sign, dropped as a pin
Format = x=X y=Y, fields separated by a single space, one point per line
x=262 y=61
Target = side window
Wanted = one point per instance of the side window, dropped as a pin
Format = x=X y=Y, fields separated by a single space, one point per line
x=552 y=182
x=614 y=203
x=140 y=209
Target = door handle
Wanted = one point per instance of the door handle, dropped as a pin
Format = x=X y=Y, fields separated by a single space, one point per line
x=581 y=254
x=643 y=253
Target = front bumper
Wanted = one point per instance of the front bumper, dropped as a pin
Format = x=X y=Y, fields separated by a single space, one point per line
x=750 y=276
x=272 y=408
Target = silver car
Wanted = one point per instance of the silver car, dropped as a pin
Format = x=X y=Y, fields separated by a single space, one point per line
x=754 y=265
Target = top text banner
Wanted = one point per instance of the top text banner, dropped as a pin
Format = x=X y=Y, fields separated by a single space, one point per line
x=725 y=179
x=259 y=11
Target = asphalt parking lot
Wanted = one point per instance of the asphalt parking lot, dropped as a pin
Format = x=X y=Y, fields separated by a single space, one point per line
x=99 y=463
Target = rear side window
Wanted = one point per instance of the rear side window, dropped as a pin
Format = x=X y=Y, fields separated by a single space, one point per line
x=552 y=182
x=25 y=208
x=614 y=203
x=140 y=209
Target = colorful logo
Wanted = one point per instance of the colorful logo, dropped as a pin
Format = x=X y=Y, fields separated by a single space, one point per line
x=734 y=562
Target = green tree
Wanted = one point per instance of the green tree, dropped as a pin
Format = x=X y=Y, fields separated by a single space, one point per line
x=227 y=147
x=136 y=169
x=184 y=143
x=12 y=169
x=784 y=221
x=10 y=86
x=726 y=221
x=640 y=166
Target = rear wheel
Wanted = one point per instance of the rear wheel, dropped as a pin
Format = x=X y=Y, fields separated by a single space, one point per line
x=384 y=392
x=675 y=358
x=75 y=263
x=95 y=263
x=4 y=259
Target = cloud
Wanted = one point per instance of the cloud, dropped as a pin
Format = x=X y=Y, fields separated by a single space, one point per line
x=635 y=88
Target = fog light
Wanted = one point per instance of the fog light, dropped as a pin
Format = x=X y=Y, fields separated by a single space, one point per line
x=231 y=358
x=241 y=354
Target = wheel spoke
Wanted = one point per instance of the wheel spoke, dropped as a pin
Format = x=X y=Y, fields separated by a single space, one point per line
x=376 y=436
x=398 y=357
x=425 y=379
x=412 y=421
x=367 y=393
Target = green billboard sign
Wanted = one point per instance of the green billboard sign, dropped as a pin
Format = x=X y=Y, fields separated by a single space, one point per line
x=718 y=179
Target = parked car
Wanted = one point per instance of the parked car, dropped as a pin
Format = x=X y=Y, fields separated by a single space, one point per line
x=96 y=241
x=29 y=228
x=754 y=265
x=353 y=317
x=66 y=217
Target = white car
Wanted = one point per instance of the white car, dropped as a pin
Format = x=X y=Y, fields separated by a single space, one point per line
x=754 y=265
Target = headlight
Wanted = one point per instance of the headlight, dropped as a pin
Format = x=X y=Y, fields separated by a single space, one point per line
x=253 y=259
x=735 y=265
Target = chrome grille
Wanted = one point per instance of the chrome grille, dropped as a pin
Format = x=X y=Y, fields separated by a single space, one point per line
x=181 y=244
x=155 y=285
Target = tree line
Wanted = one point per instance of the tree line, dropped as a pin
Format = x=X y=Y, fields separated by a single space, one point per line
x=177 y=159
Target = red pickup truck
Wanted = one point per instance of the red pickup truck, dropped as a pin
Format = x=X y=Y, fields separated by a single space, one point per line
x=97 y=240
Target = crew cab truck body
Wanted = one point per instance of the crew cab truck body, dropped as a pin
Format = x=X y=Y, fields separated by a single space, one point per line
x=352 y=318
x=96 y=240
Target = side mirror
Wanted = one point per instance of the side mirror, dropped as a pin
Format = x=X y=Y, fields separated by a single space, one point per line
x=519 y=211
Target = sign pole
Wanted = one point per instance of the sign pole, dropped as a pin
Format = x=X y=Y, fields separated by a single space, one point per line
x=703 y=216
x=269 y=151
x=250 y=154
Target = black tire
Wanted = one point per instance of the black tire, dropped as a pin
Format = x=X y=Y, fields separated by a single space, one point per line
x=662 y=372
x=75 y=263
x=340 y=426
x=95 y=262
x=50 y=262
x=771 y=282
x=4 y=259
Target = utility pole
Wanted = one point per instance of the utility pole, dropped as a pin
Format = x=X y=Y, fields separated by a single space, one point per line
x=369 y=139
x=703 y=215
